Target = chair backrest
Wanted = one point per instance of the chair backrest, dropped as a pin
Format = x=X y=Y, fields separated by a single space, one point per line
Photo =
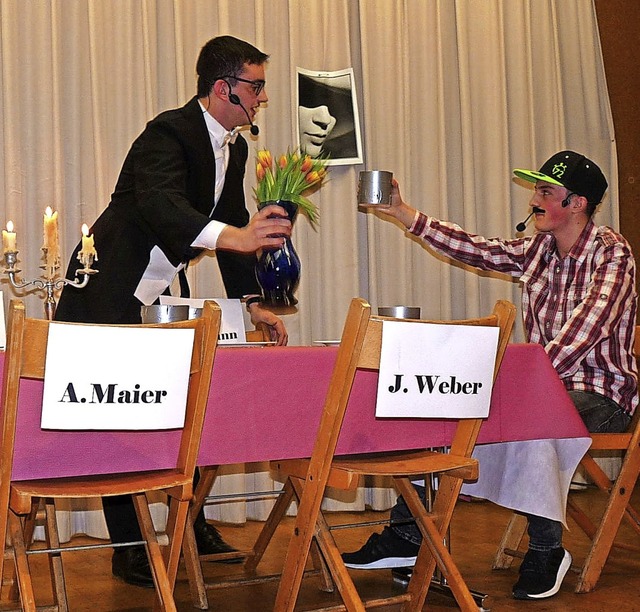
x=636 y=353
x=25 y=356
x=621 y=441
x=360 y=347
x=259 y=334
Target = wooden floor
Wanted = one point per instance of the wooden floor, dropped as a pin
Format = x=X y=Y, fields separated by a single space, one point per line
x=477 y=527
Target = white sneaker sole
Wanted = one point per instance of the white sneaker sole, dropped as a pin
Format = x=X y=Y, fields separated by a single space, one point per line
x=386 y=563
x=562 y=572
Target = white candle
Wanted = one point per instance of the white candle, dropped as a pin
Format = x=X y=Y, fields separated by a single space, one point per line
x=51 y=238
x=9 y=238
x=88 y=253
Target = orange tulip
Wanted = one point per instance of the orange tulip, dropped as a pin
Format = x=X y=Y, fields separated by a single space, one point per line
x=282 y=162
x=265 y=159
x=306 y=164
x=312 y=177
x=260 y=171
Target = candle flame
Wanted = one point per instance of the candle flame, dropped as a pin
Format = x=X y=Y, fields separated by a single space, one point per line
x=9 y=226
x=85 y=229
x=48 y=212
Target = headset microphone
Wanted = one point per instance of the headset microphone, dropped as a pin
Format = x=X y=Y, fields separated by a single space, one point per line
x=567 y=200
x=523 y=224
x=234 y=99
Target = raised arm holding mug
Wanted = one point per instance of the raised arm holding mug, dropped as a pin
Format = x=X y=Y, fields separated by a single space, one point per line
x=578 y=301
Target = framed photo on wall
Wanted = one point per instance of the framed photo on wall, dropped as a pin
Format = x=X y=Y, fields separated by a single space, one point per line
x=328 y=120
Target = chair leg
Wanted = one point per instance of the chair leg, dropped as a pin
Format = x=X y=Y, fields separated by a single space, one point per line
x=193 y=567
x=28 y=527
x=268 y=530
x=433 y=550
x=164 y=589
x=511 y=539
x=23 y=575
x=338 y=572
x=205 y=482
x=603 y=482
x=176 y=524
x=55 y=559
x=317 y=561
x=619 y=499
x=299 y=546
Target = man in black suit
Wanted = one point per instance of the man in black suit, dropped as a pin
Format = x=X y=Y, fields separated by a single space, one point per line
x=180 y=191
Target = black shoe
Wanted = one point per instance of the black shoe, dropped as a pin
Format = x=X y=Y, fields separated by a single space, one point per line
x=132 y=565
x=402 y=575
x=541 y=573
x=210 y=542
x=383 y=550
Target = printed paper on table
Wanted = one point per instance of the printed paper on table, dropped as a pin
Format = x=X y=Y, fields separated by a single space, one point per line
x=232 y=327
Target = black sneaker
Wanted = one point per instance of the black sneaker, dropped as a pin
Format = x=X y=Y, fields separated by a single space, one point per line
x=402 y=575
x=383 y=550
x=541 y=573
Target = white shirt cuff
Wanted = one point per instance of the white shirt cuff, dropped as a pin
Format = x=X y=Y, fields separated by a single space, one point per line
x=208 y=237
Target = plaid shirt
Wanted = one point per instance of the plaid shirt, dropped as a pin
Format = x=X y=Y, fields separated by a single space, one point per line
x=582 y=308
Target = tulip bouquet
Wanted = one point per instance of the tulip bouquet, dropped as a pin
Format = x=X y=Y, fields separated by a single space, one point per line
x=289 y=179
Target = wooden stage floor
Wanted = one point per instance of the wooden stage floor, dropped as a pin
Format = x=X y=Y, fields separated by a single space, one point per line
x=477 y=527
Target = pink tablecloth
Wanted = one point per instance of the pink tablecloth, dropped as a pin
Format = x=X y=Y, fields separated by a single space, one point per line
x=265 y=403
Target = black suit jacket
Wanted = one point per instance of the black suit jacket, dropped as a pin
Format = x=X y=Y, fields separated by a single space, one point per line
x=163 y=197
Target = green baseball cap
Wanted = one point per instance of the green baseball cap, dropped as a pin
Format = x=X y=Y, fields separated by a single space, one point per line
x=571 y=170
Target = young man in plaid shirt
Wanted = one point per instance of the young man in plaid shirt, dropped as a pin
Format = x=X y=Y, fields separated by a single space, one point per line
x=578 y=300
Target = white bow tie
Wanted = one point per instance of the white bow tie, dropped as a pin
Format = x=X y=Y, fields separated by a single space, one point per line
x=230 y=137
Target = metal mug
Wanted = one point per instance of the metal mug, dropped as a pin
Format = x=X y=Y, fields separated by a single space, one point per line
x=164 y=313
x=374 y=188
x=400 y=312
x=195 y=313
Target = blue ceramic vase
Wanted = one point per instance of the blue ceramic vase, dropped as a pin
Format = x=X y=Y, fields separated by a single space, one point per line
x=278 y=270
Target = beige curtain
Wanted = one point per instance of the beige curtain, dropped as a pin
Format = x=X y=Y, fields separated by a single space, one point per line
x=452 y=96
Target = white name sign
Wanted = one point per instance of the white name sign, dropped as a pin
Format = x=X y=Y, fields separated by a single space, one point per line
x=436 y=370
x=106 y=378
x=232 y=327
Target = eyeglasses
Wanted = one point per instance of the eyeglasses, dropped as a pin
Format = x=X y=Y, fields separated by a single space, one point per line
x=257 y=85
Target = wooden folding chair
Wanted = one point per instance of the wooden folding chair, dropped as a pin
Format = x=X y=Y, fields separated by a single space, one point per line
x=25 y=359
x=603 y=532
x=307 y=479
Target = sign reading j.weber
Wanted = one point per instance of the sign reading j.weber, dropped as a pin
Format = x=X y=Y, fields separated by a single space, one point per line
x=436 y=370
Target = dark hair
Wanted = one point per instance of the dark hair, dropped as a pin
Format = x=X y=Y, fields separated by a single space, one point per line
x=224 y=56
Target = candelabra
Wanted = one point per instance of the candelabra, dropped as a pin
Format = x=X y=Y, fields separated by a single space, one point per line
x=50 y=282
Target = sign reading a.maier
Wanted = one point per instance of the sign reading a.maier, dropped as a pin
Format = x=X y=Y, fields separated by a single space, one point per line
x=113 y=393
x=110 y=378
x=436 y=370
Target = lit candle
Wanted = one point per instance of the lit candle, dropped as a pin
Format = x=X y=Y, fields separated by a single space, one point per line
x=51 y=238
x=88 y=253
x=9 y=238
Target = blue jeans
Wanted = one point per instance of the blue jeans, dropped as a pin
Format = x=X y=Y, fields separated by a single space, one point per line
x=600 y=415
